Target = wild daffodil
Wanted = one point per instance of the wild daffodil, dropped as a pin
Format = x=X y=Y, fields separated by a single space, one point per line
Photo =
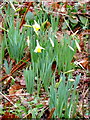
x=36 y=27
x=38 y=48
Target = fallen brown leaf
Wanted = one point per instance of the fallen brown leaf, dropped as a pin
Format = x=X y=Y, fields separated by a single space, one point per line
x=55 y=5
x=13 y=89
x=9 y=115
x=85 y=63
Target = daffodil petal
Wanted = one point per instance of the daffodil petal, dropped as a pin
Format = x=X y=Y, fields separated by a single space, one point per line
x=37 y=43
x=41 y=47
x=36 y=27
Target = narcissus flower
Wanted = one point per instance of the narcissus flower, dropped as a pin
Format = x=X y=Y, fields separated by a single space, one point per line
x=38 y=48
x=36 y=27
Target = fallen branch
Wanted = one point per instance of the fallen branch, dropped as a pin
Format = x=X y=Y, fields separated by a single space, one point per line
x=17 y=66
x=51 y=113
x=8 y=100
x=30 y=3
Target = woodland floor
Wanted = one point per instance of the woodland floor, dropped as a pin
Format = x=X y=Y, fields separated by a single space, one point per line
x=13 y=87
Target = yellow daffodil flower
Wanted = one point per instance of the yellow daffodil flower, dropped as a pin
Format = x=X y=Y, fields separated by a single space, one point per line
x=38 y=48
x=36 y=27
